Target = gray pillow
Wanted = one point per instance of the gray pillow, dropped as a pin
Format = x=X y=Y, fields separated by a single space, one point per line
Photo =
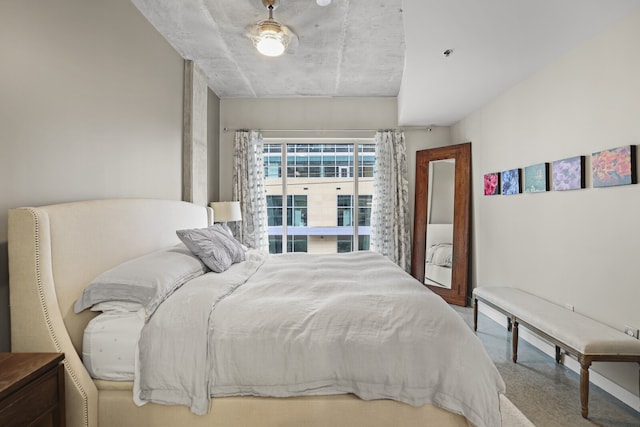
x=147 y=280
x=214 y=246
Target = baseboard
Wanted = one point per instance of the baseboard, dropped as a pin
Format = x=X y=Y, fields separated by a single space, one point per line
x=601 y=381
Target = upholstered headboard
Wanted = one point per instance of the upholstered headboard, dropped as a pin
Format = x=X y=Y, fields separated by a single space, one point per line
x=54 y=251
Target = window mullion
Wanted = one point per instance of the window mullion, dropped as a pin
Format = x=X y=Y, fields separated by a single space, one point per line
x=356 y=204
x=285 y=213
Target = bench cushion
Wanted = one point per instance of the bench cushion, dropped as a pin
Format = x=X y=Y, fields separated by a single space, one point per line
x=577 y=331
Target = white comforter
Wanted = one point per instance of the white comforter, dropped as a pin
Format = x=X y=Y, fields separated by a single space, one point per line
x=299 y=324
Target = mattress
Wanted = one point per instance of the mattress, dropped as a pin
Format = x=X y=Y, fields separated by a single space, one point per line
x=437 y=275
x=109 y=344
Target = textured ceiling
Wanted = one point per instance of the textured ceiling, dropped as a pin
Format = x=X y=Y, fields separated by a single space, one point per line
x=370 y=48
x=349 y=48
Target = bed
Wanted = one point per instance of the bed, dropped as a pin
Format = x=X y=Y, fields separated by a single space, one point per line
x=439 y=255
x=56 y=250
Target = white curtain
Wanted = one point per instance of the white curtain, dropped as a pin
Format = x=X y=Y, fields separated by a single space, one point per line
x=390 y=210
x=248 y=188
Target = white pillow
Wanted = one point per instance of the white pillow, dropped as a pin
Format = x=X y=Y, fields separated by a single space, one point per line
x=117 y=306
x=214 y=246
x=147 y=280
x=440 y=254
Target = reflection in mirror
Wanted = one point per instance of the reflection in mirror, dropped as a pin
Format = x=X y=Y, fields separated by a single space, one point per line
x=439 y=246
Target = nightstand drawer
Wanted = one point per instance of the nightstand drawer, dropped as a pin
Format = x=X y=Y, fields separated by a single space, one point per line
x=31 y=390
x=27 y=405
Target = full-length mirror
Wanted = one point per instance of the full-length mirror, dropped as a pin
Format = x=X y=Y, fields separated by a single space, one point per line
x=439 y=256
x=441 y=221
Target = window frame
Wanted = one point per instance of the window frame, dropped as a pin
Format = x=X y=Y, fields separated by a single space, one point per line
x=354 y=147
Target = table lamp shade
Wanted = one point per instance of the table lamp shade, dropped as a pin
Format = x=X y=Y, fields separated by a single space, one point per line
x=226 y=211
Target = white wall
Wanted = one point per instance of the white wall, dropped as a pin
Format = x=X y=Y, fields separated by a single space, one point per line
x=573 y=247
x=90 y=107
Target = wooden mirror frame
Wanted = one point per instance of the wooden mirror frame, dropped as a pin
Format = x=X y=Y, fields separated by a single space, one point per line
x=457 y=294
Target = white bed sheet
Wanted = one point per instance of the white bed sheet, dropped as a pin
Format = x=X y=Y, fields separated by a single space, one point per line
x=109 y=345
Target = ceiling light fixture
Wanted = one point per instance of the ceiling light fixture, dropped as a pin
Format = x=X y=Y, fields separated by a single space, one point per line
x=323 y=2
x=270 y=37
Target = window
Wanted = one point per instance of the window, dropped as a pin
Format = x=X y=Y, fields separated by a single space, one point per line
x=364 y=210
x=294 y=244
x=296 y=210
x=366 y=160
x=274 y=210
x=364 y=242
x=272 y=161
x=321 y=178
x=275 y=244
x=345 y=243
x=345 y=210
x=319 y=160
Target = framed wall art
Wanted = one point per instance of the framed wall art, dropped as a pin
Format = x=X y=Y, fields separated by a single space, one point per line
x=616 y=166
x=568 y=174
x=536 y=178
x=491 y=184
x=510 y=181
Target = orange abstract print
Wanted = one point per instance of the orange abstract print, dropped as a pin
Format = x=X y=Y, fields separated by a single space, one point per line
x=613 y=167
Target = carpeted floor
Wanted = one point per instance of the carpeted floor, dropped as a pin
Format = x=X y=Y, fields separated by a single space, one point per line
x=548 y=394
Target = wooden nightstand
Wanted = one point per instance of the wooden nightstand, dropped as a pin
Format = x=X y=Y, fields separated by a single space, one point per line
x=32 y=389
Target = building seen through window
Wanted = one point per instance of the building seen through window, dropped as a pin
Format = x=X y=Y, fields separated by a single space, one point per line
x=321 y=181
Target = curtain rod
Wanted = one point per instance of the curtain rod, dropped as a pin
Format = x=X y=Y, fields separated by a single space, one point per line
x=428 y=129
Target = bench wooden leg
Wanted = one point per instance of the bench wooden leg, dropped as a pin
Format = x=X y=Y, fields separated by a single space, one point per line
x=514 y=340
x=585 y=363
x=475 y=314
x=558 y=354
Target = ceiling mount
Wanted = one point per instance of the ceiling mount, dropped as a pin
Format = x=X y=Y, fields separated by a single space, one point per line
x=271 y=4
x=269 y=36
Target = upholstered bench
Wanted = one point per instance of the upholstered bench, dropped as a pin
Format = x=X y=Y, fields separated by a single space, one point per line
x=585 y=338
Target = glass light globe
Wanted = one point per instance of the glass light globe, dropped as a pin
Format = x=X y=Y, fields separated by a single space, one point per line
x=323 y=2
x=270 y=44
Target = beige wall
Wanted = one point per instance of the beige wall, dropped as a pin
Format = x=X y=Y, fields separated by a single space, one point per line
x=90 y=107
x=573 y=247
